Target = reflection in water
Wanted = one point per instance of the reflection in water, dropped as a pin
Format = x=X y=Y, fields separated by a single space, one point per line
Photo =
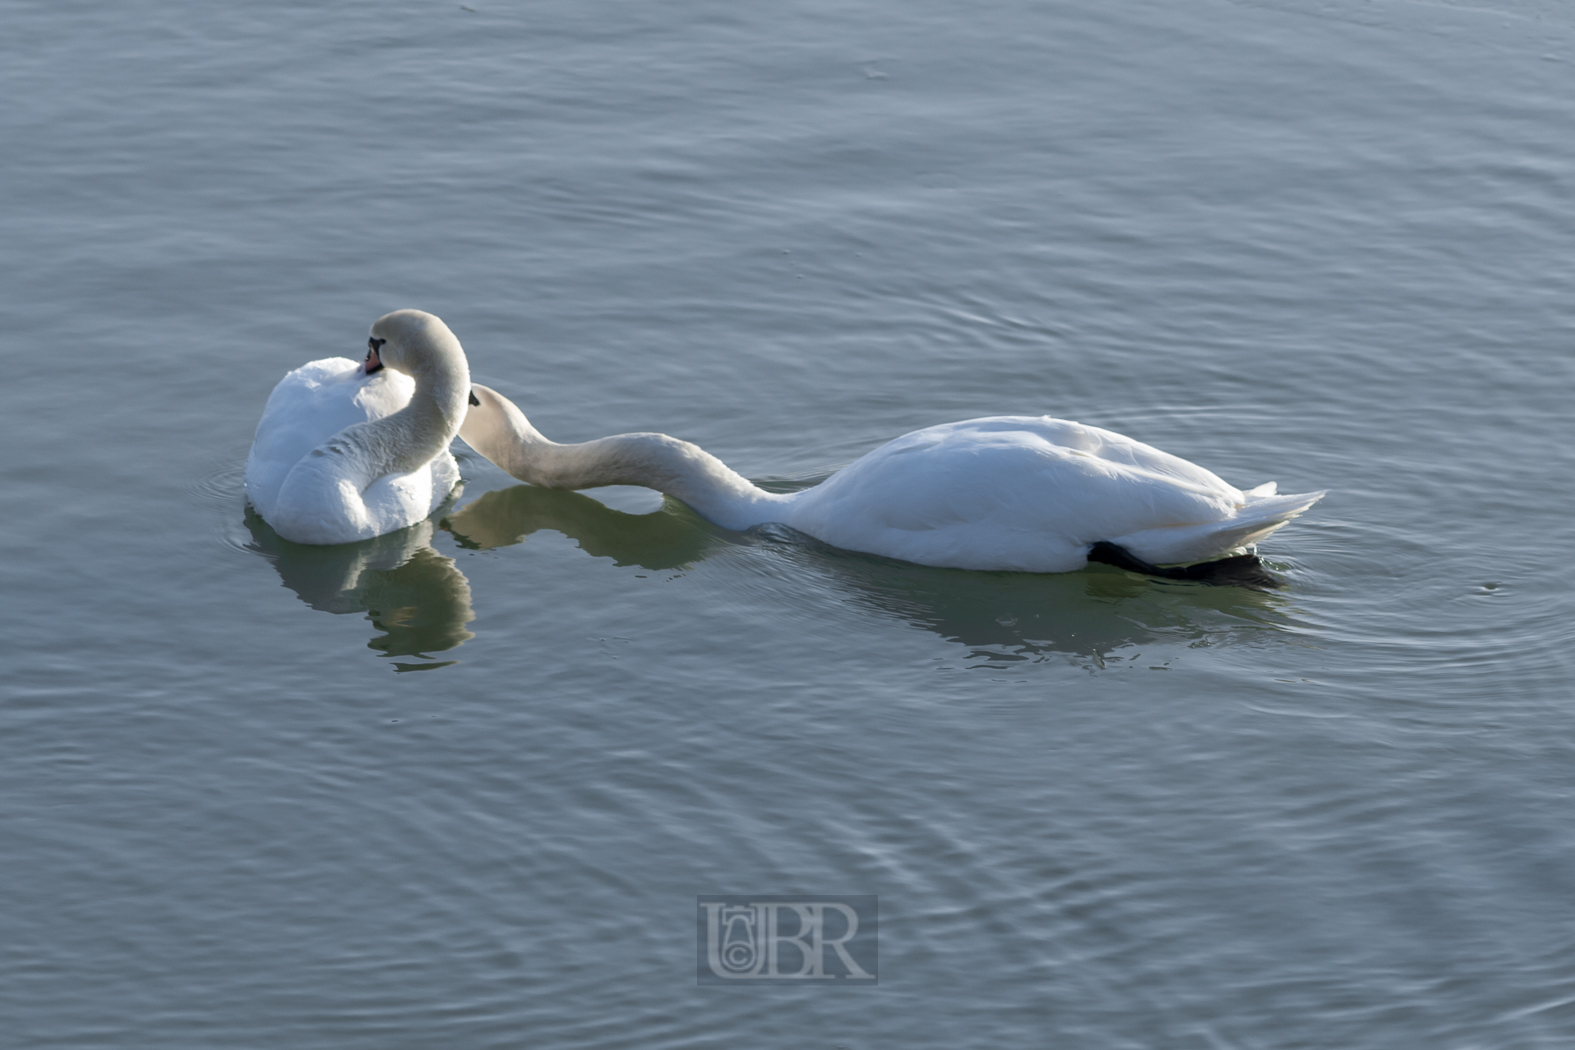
x=417 y=597
x=1001 y=616
x=670 y=538
x=1009 y=616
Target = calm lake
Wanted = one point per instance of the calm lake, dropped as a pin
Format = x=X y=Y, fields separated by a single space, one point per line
x=461 y=786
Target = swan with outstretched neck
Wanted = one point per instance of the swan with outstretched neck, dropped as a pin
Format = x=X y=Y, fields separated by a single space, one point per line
x=1017 y=493
x=348 y=451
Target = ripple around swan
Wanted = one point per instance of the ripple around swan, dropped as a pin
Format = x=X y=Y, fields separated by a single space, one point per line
x=223 y=482
x=220 y=490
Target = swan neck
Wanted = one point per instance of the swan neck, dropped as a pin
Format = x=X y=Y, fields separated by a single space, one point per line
x=443 y=387
x=411 y=437
x=676 y=468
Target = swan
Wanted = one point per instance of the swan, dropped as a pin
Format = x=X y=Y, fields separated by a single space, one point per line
x=347 y=451
x=1014 y=493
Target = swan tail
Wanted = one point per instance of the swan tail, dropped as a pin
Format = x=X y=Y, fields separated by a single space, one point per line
x=1211 y=541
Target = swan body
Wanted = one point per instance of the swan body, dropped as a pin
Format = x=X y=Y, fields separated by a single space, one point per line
x=1017 y=493
x=347 y=451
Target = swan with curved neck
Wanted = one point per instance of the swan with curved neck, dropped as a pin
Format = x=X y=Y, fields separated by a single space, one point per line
x=348 y=451
x=1017 y=493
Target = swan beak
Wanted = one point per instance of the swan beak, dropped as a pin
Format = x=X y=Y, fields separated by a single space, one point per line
x=373 y=363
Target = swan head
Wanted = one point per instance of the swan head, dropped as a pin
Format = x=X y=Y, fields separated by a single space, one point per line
x=412 y=342
x=495 y=427
x=493 y=423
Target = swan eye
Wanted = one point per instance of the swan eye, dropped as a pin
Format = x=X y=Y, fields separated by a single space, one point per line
x=375 y=344
x=474 y=400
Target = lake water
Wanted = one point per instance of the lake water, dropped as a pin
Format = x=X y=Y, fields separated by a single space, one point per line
x=460 y=787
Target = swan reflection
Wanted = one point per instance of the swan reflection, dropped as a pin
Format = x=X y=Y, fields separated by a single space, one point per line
x=1089 y=615
x=1001 y=616
x=670 y=538
x=417 y=597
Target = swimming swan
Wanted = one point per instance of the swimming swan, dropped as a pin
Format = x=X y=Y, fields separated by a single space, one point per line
x=1019 y=493
x=345 y=452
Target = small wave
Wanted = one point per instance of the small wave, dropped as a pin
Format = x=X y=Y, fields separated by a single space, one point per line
x=221 y=489
x=223 y=482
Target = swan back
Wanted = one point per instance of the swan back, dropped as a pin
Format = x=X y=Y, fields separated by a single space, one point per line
x=1030 y=493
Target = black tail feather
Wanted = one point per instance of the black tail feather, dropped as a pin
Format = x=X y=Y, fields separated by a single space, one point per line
x=1243 y=570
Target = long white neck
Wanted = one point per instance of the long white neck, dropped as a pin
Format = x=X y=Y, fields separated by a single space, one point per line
x=402 y=442
x=499 y=430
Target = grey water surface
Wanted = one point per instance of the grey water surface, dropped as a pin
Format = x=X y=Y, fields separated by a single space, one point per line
x=459 y=787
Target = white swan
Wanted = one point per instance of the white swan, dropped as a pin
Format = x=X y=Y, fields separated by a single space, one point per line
x=345 y=452
x=1020 y=493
